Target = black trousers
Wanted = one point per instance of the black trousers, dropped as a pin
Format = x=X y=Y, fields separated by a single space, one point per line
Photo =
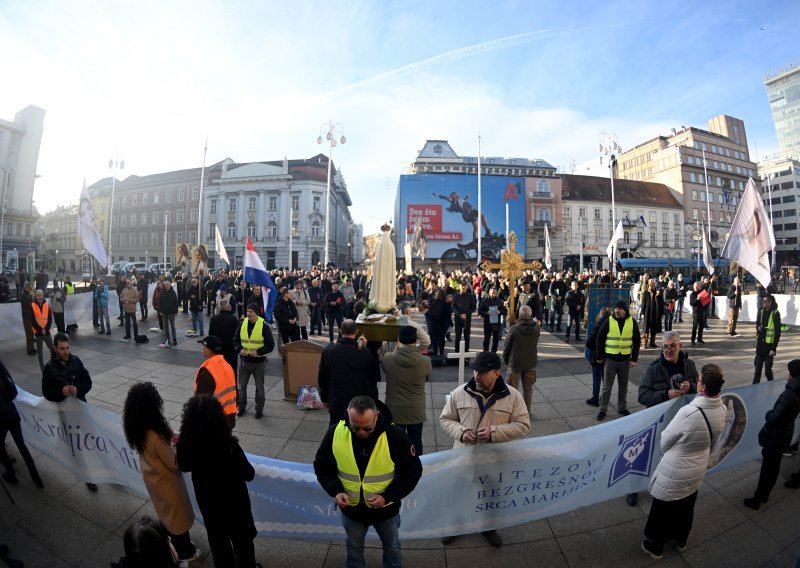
x=670 y=520
x=463 y=327
x=236 y=552
x=698 y=323
x=15 y=428
x=770 y=469
x=762 y=362
x=491 y=331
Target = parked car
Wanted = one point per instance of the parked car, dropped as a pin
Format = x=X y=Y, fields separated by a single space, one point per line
x=140 y=267
x=160 y=267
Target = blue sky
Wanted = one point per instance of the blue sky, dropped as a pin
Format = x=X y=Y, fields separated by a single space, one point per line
x=538 y=79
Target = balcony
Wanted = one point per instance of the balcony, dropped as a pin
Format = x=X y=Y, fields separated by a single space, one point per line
x=540 y=195
x=540 y=224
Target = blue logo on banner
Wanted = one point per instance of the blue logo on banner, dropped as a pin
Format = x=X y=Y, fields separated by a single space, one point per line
x=635 y=455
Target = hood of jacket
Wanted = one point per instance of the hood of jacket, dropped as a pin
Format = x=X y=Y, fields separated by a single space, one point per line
x=407 y=356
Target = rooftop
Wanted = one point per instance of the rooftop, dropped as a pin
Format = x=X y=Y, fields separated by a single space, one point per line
x=592 y=188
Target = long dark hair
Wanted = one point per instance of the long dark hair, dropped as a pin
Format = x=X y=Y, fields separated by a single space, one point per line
x=203 y=425
x=146 y=545
x=144 y=411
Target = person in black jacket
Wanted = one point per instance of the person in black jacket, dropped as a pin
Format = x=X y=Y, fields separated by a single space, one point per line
x=591 y=354
x=734 y=305
x=491 y=309
x=776 y=435
x=25 y=302
x=574 y=301
x=334 y=309
x=315 y=307
x=64 y=375
x=168 y=308
x=698 y=313
x=768 y=334
x=346 y=369
x=365 y=423
x=220 y=471
x=286 y=315
x=463 y=306
x=224 y=325
x=558 y=289
x=10 y=422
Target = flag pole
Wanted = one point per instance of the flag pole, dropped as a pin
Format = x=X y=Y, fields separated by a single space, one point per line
x=200 y=202
x=480 y=210
x=708 y=209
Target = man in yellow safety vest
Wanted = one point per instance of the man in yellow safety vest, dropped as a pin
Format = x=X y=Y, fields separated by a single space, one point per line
x=368 y=465
x=618 y=344
x=768 y=335
x=252 y=340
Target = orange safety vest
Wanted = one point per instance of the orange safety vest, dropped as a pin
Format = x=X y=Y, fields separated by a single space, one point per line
x=40 y=315
x=225 y=391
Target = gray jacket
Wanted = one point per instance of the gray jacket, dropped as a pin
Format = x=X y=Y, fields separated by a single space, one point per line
x=520 y=351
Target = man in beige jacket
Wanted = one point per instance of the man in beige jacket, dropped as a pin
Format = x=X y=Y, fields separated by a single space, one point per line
x=130 y=299
x=485 y=410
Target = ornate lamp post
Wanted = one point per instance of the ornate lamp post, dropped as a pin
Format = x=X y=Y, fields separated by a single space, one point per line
x=116 y=163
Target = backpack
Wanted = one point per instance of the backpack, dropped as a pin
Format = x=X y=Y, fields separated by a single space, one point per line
x=141 y=339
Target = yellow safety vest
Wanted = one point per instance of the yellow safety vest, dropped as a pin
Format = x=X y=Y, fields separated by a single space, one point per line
x=769 y=336
x=225 y=389
x=616 y=343
x=254 y=341
x=380 y=469
x=70 y=287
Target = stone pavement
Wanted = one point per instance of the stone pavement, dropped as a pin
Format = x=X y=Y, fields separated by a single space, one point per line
x=66 y=525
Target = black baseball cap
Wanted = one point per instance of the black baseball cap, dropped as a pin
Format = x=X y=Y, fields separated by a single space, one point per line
x=486 y=361
x=213 y=343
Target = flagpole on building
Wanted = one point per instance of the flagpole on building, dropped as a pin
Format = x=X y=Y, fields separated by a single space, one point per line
x=769 y=194
x=200 y=204
x=480 y=209
x=166 y=218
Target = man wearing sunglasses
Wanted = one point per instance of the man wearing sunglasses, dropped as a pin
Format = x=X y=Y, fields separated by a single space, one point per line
x=368 y=465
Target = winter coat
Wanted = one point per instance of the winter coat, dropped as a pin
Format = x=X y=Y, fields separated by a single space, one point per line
x=58 y=298
x=687 y=445
x=25 y=302
x=285 y=310
x=407 y=371
x=346 y=371
x=301 y=300
x=57 y=374
x=655 y=383
x=503 y=409
x=195 y=294
x=488 y=303
x=464 y=304
x=591 y=343
x=223 y=326
x=407 y=467
x=219 y=476
x=575 y=301
x=102 y=296
x=652 y=311
x=168 y=301
x=165 y=485
x=130 y=299
x=520 y=351
x=778 y=429
x=8 y=392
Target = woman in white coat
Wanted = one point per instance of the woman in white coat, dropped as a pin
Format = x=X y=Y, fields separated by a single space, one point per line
x=686 y=445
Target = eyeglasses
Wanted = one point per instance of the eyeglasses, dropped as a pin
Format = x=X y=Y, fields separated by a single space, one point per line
x=670 y=346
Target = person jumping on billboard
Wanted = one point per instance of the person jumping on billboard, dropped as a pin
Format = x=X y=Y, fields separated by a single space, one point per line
x=468 y=212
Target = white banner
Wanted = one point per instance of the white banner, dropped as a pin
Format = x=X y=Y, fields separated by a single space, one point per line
x=462 y=491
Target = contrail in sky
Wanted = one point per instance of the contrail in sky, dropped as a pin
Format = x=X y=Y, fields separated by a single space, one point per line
x=455 y=55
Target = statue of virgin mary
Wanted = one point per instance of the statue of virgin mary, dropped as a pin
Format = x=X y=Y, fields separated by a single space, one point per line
x=382 y=293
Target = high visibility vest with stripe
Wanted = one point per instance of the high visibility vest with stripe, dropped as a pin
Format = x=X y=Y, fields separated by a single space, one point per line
x=619 y=343
x=40 y=315
x=378 y=475
x=70 y=287
x=225 y=391
x=769 y=336
x=254 y=341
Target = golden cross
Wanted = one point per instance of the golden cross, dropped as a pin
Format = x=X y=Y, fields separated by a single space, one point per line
x=512 y=264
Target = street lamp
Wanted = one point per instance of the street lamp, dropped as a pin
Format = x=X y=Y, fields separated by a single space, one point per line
x=117 y=163
x=331 y=132
x=6 y=175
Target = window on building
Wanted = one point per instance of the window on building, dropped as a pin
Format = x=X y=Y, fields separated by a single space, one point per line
x=19 y=229
x=142 y=239
x=166 y=216
x=213 y=206
x=294 y=229
x=168 y=196
x=652 y=216
x=181 y=194
x=272 y=230
x=156 y=197
x=144 y=218
x=316 y=202
x=193 y=215
x=789 y=212
x=639 y=237
x=28 y=229
x=133 y=219
x=627 y=238
x=721 y=198
x=251 y=203
x=664 y=240
x=273 y=202
x=677 y=240
x=123 y=220
x=124 y=200
x=295 y=202
x=153 y=239
x=122 y=239
x=543 y=186
x=179 y=216
x=544 y=214
x=231 y=205
x=702 y=196
x=565 y=210
x=212 y=230
x=144 y=199
x=597 y=213
x=231 y=230
x=155 y=217
x=315 y=229
x=133 y=200
x=251 y=230
x=695 y=214
x=179 y=236
x=195 y=193
x=664 y=218
x=581 y=212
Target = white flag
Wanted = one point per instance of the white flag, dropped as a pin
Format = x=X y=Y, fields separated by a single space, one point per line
x=87 y=229
x=548 y=259
x=751 y=237
x=707 y=260
x=223 y=254
x=618 y=235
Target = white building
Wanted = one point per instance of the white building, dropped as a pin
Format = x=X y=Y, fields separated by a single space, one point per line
x=264 y=199
x=19 y=154
x=781 y=181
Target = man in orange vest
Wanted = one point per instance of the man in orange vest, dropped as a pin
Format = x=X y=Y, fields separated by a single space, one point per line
x=41 y=322
x=215 y=376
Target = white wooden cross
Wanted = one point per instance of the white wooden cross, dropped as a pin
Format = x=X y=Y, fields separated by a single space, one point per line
x=462 y=355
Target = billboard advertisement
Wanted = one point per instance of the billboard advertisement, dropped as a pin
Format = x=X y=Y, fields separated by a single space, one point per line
x=445 y=208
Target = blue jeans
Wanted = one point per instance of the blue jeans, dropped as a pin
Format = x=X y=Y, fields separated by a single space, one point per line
x=197 y=322
x=387 y=531
x=597 y=379
x=104 y=319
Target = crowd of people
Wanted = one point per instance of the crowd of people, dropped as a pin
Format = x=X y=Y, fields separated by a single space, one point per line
x=368 y=460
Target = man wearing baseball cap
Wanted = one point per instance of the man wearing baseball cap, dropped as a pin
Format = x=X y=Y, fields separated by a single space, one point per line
x=215 y=376
x=485 y=411
x=618 y=343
